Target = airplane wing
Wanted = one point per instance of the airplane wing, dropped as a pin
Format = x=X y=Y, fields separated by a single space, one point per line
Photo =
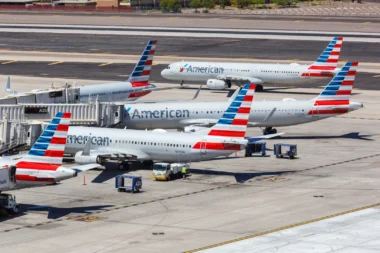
x=81 y=168
x=240 y=78
x=158 y=101
x=117 y=154
x=198 y=122
x=263 y=137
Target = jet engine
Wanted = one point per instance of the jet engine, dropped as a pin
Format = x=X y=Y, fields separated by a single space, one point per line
x=86 y=159
x=215 y=84
x=190 y=129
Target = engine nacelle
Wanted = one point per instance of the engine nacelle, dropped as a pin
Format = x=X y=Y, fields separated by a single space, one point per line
x=191 y=129
x=215 y=84
x=86 y=159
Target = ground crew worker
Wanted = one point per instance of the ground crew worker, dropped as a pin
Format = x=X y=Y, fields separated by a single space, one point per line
x=184 y=171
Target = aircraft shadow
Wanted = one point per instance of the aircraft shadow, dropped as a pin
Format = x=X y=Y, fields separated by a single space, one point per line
x=55 y=212
x=112 y=171
x=240 y=177
x=353 y=135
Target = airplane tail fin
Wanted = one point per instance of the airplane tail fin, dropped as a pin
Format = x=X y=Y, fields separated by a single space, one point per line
x=141 y=73
x=234 y=121
x=337 y=93
x=328 y=60
x=47 y=152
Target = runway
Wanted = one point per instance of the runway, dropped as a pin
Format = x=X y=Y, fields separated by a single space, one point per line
x=120 y=72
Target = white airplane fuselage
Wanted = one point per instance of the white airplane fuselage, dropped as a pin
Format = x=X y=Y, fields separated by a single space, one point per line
x=177 y=115
x=122 y=91
x=268 y=73
x=148 y=145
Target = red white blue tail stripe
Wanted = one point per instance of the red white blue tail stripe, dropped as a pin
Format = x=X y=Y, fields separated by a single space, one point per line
x=234 y=121
x=47 y=153
x=335 y=98
x=141 y=73
x=327 y=61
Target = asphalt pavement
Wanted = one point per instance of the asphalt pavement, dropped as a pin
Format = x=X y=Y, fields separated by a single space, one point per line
x=187 y=47
x=120 y=72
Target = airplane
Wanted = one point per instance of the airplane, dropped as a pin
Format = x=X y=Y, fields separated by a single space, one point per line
x=42 y=165
x=135 y=87
x=219 y=75
x=222 y=139
x=192 y=116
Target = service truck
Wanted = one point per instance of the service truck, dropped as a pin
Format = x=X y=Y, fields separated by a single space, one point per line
x=7 y=182
x=167 y=171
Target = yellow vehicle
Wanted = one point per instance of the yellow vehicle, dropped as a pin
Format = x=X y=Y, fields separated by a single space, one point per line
x=167 y=171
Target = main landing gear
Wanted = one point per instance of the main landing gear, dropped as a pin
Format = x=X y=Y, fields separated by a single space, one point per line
x=269 y=130
x=259 y=87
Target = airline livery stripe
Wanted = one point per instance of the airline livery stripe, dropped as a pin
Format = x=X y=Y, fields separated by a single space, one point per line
x=62 y=127
x=325 y=112
x=216 y=146
x=226 y=133
x=37 y=166
x=242 y=122
x=54 y=153
x=244 y=110
x=332 y=102
x=57 y=140
x=33 y=178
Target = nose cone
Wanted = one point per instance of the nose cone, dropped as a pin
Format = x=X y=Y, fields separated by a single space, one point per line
x=165 y=73
x=355 y=106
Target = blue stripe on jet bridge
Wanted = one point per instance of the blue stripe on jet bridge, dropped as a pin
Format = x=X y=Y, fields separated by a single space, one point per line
x=229 y=115
x=327 y=93
x=236 y=104
x=52 y=127
x=40 y=146
x=338 y=78
x=225 y=121
x=232 y=110
x=36 y=152
x=43 y=140
x=334 y=87
x=47 y=134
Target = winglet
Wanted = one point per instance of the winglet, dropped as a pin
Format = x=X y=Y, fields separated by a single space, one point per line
x=8 y=86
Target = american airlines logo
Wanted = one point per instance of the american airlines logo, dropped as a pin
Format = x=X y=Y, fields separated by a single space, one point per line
x=82 y=139
x=157 y=114
x=202 y=70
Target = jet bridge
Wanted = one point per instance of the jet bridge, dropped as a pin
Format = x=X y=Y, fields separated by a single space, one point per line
x=23 y=123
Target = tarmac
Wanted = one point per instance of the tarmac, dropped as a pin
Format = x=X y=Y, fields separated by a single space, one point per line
x=326 y=200
x=336 y=170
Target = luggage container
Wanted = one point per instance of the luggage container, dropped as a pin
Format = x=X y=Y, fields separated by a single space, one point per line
x=282 y=150
x=130 y=183
x=255 y=148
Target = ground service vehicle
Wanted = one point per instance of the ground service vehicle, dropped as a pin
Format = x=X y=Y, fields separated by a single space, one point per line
x=7 y=181
x=167 y=171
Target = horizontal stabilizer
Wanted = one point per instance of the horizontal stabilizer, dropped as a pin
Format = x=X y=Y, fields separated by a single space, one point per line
x=81 y=168
x=263 y=137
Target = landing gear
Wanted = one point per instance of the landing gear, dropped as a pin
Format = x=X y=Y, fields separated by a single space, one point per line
x=182 y=84
x=228 y=82
x=259 y=87
x=269 y=130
